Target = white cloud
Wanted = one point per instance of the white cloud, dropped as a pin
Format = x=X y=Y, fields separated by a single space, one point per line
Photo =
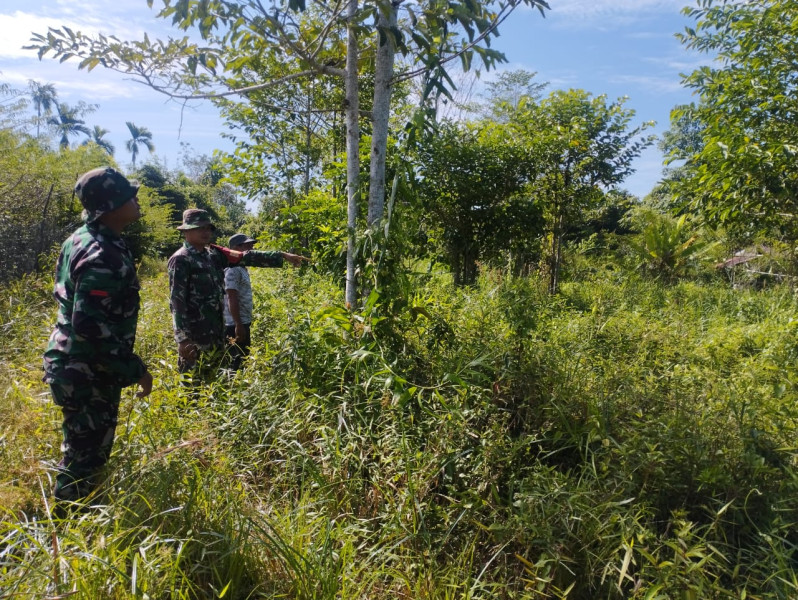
x=125 y=19
x=683 y=63
x=72 y=85
x=588 y=9
x=649 y=35
x=652 y=84
x=122 y=18
x=612 y=15
x=17 y=28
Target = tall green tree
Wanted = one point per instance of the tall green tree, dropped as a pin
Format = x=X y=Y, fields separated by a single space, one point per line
x=471 y=179
x=285 y=135
x=745 y=170
x=67 y=123
x=430 y=36
x=44 y=99
x=13 y=109
x=680 y=144
x=506 y=91
x=97 y=136
x=582 y=146
x=139 y=136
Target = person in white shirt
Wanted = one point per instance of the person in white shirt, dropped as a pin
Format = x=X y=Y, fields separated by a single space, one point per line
x=238 y=302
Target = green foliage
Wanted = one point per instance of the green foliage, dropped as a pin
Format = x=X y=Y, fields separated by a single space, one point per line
x=314 y=226
x=611 y=215
x=68 y=122
x=286 y=134
x=153 y=234
x=471 y=198
x=38 y=209
x=44 y=98
x=666 y=246
x=25 y=312
x=13 y=111
x=744 y=169
x=506 y=92
x=98 y=137
x=139 y=136
x=622 y=439
x=580 y=146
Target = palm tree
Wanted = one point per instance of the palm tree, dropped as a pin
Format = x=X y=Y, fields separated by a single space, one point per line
x=98 y=137
x=67 y=123
x=138 y=135
x=44 y=98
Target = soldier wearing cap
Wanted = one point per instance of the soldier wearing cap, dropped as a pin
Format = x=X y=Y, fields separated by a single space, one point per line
x=89 y=357
x=196 y=286
x=238 y=302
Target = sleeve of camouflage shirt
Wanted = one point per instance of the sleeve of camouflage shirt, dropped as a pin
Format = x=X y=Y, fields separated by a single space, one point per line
x=261 y=258
x=104 y=318
x=224 y=257
x=179 y=269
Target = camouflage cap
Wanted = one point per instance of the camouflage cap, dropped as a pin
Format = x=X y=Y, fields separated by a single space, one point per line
x=238 y=239
x=103 y=190
x=194 y=218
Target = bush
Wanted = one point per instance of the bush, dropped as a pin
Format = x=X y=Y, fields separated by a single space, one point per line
x=39 y=208
x=624 y=439
x=666 y=247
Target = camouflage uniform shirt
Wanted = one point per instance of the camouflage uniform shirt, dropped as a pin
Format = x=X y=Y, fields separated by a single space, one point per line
x=97 y=291
x=196 y=289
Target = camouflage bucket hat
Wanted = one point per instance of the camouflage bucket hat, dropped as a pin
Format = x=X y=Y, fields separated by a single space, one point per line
x=103 y=190
x=194 y=218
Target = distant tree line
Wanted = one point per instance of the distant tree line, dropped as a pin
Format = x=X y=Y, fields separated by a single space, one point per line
x=39 y=166
x=516 y=181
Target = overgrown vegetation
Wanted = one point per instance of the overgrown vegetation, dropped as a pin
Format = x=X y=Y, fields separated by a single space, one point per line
x=545 y=390
x=625 y=439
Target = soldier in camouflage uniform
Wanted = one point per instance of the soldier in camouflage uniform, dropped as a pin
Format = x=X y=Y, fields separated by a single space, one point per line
x=89 y=357
x=196 y=286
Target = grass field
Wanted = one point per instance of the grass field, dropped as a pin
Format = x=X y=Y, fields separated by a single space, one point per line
x=624 y=439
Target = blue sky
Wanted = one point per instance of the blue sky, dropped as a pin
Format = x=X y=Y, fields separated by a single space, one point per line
x=621 y=48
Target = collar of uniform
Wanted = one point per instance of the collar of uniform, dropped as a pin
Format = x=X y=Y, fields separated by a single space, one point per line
x=103 y=230
x=191 y=248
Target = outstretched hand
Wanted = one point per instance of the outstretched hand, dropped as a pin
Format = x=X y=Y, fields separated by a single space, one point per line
x=295 y=259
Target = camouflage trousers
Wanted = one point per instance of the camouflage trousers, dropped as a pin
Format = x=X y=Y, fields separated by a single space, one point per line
x=90 y=413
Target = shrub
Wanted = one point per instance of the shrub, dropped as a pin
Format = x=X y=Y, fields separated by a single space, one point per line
x=624 y=439
x=666 y=248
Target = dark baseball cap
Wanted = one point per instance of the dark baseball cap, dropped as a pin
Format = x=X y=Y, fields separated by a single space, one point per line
x=238 y=239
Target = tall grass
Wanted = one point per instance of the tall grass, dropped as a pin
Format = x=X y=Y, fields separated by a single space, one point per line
x=624 y=439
